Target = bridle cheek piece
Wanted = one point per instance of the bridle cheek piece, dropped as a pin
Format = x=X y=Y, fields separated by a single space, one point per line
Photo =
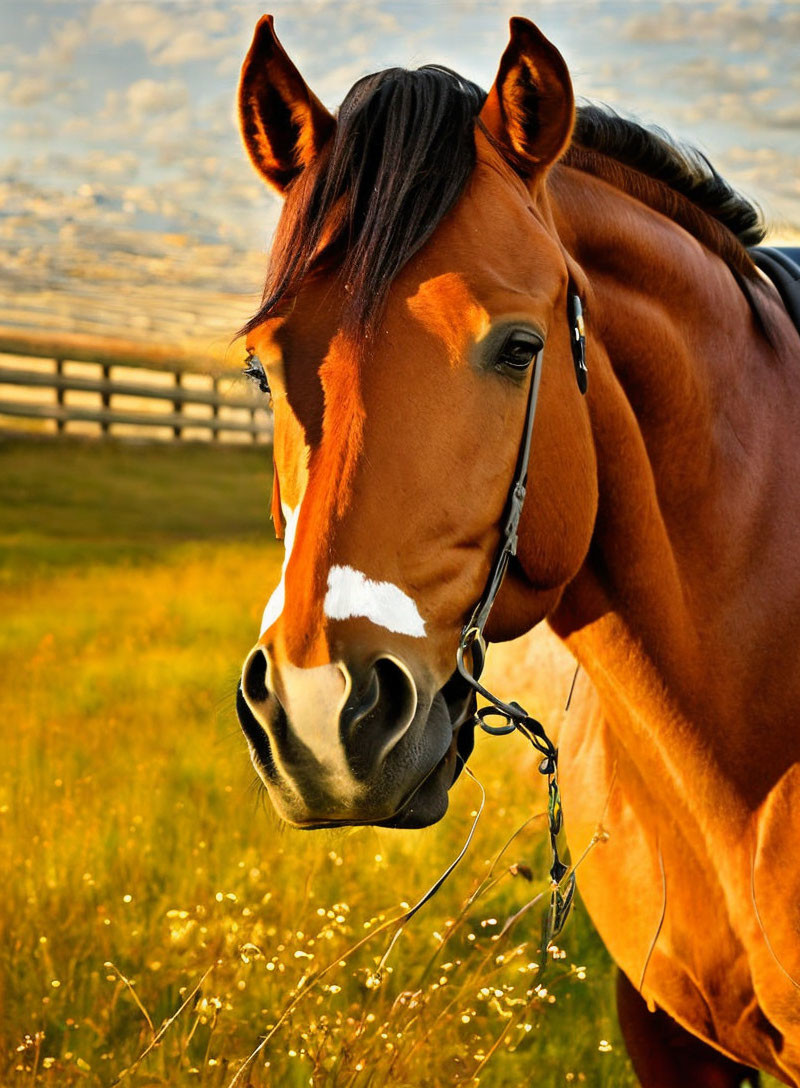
x=473 y=643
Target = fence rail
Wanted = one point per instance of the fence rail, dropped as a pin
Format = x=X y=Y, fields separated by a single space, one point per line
x=240 y=412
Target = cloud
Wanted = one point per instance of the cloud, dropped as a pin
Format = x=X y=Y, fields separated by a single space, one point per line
x=752 y=112
x=169 y=36
x=156 y=136
x=29 y=132
x=120 y=164
x=334 y=85
x=97 y=165
x=64 y=44
x=786 y=117
x=144 y=23
x=173 y=138
x=58 y=51
x=28 y=90
x=717 y=75
x=741 y=27
x=144 y=114
x=147 y=97
x=189 y=44
x=46 y=75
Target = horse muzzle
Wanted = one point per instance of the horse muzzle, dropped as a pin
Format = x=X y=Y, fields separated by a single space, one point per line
x=342 y=744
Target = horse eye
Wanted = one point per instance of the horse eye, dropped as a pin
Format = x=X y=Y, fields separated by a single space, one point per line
x=254 y=370
x=518 y=350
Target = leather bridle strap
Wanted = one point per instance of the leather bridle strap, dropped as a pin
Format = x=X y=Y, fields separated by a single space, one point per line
x=508 y=540
x=472 y=642
x=472 y=636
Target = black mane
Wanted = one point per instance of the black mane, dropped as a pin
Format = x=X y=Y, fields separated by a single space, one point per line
x=653 y=152
x=401 y=156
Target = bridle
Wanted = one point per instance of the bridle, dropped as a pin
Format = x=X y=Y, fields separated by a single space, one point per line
x=473 y=643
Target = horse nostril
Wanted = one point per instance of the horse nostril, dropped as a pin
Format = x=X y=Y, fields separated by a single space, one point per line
x=378 y=712
x=254 y=680
x=361 y=701
x=397 y=688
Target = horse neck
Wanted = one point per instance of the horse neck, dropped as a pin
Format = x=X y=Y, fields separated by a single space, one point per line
x=674 y=612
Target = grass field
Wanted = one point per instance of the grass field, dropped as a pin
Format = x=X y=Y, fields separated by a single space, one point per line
x=146 y=885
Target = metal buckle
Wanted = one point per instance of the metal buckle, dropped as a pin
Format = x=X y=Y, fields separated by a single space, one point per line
x=578 y=340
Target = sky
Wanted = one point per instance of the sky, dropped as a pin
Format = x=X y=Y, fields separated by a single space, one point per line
x=118 y=118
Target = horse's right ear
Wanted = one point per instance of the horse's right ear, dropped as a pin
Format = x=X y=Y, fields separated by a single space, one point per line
x=283 y=124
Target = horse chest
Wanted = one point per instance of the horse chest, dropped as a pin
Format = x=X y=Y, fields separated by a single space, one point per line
x=675 y=911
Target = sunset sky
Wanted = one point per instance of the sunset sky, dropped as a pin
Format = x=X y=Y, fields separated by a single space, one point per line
x=119 y=116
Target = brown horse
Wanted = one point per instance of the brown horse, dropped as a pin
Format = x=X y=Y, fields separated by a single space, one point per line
x=433 y=238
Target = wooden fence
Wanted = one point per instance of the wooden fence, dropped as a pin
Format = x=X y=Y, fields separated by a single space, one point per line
x=232 y=408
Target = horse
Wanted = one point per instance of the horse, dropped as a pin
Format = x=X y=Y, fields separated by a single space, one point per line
x=440 y=250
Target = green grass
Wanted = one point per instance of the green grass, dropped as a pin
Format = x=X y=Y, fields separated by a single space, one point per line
x=131 y=834
x=72 y=505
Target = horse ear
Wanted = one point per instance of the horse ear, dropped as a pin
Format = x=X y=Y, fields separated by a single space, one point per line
x=530 y=109
x=283 y=124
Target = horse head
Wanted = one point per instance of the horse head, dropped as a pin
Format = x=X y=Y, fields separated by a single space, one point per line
x=416 y=282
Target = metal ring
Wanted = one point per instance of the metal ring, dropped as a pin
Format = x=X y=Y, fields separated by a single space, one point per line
x=495 y=730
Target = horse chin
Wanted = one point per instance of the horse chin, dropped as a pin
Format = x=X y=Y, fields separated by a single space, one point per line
x=430 y=800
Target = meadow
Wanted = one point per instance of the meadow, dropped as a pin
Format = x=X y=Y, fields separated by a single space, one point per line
x=158 y=924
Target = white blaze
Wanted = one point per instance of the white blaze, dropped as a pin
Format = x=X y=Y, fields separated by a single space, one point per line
x=278 y=599
x=351 y=593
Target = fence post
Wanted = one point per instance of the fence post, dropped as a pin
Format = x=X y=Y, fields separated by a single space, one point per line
x=105 y=398
x=60 y=423
x=177 y=405
x=253 y=434
x=215 y=408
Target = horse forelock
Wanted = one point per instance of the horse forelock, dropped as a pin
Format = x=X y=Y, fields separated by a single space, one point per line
x=400 y=158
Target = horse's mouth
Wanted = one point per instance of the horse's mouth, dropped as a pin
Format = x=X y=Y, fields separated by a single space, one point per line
x=418 y=811
x=427 y=801
x=421 y=808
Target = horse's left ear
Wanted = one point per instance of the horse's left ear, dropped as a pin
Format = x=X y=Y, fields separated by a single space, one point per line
x=530 y=109
x=284 y=125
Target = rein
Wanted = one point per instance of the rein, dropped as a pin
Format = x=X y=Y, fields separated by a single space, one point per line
x=512 y=715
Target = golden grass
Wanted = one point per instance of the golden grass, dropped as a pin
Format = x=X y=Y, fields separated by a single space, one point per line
x=147 y=890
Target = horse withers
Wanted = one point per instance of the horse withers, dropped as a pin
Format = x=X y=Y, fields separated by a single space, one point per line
x=434 y=244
